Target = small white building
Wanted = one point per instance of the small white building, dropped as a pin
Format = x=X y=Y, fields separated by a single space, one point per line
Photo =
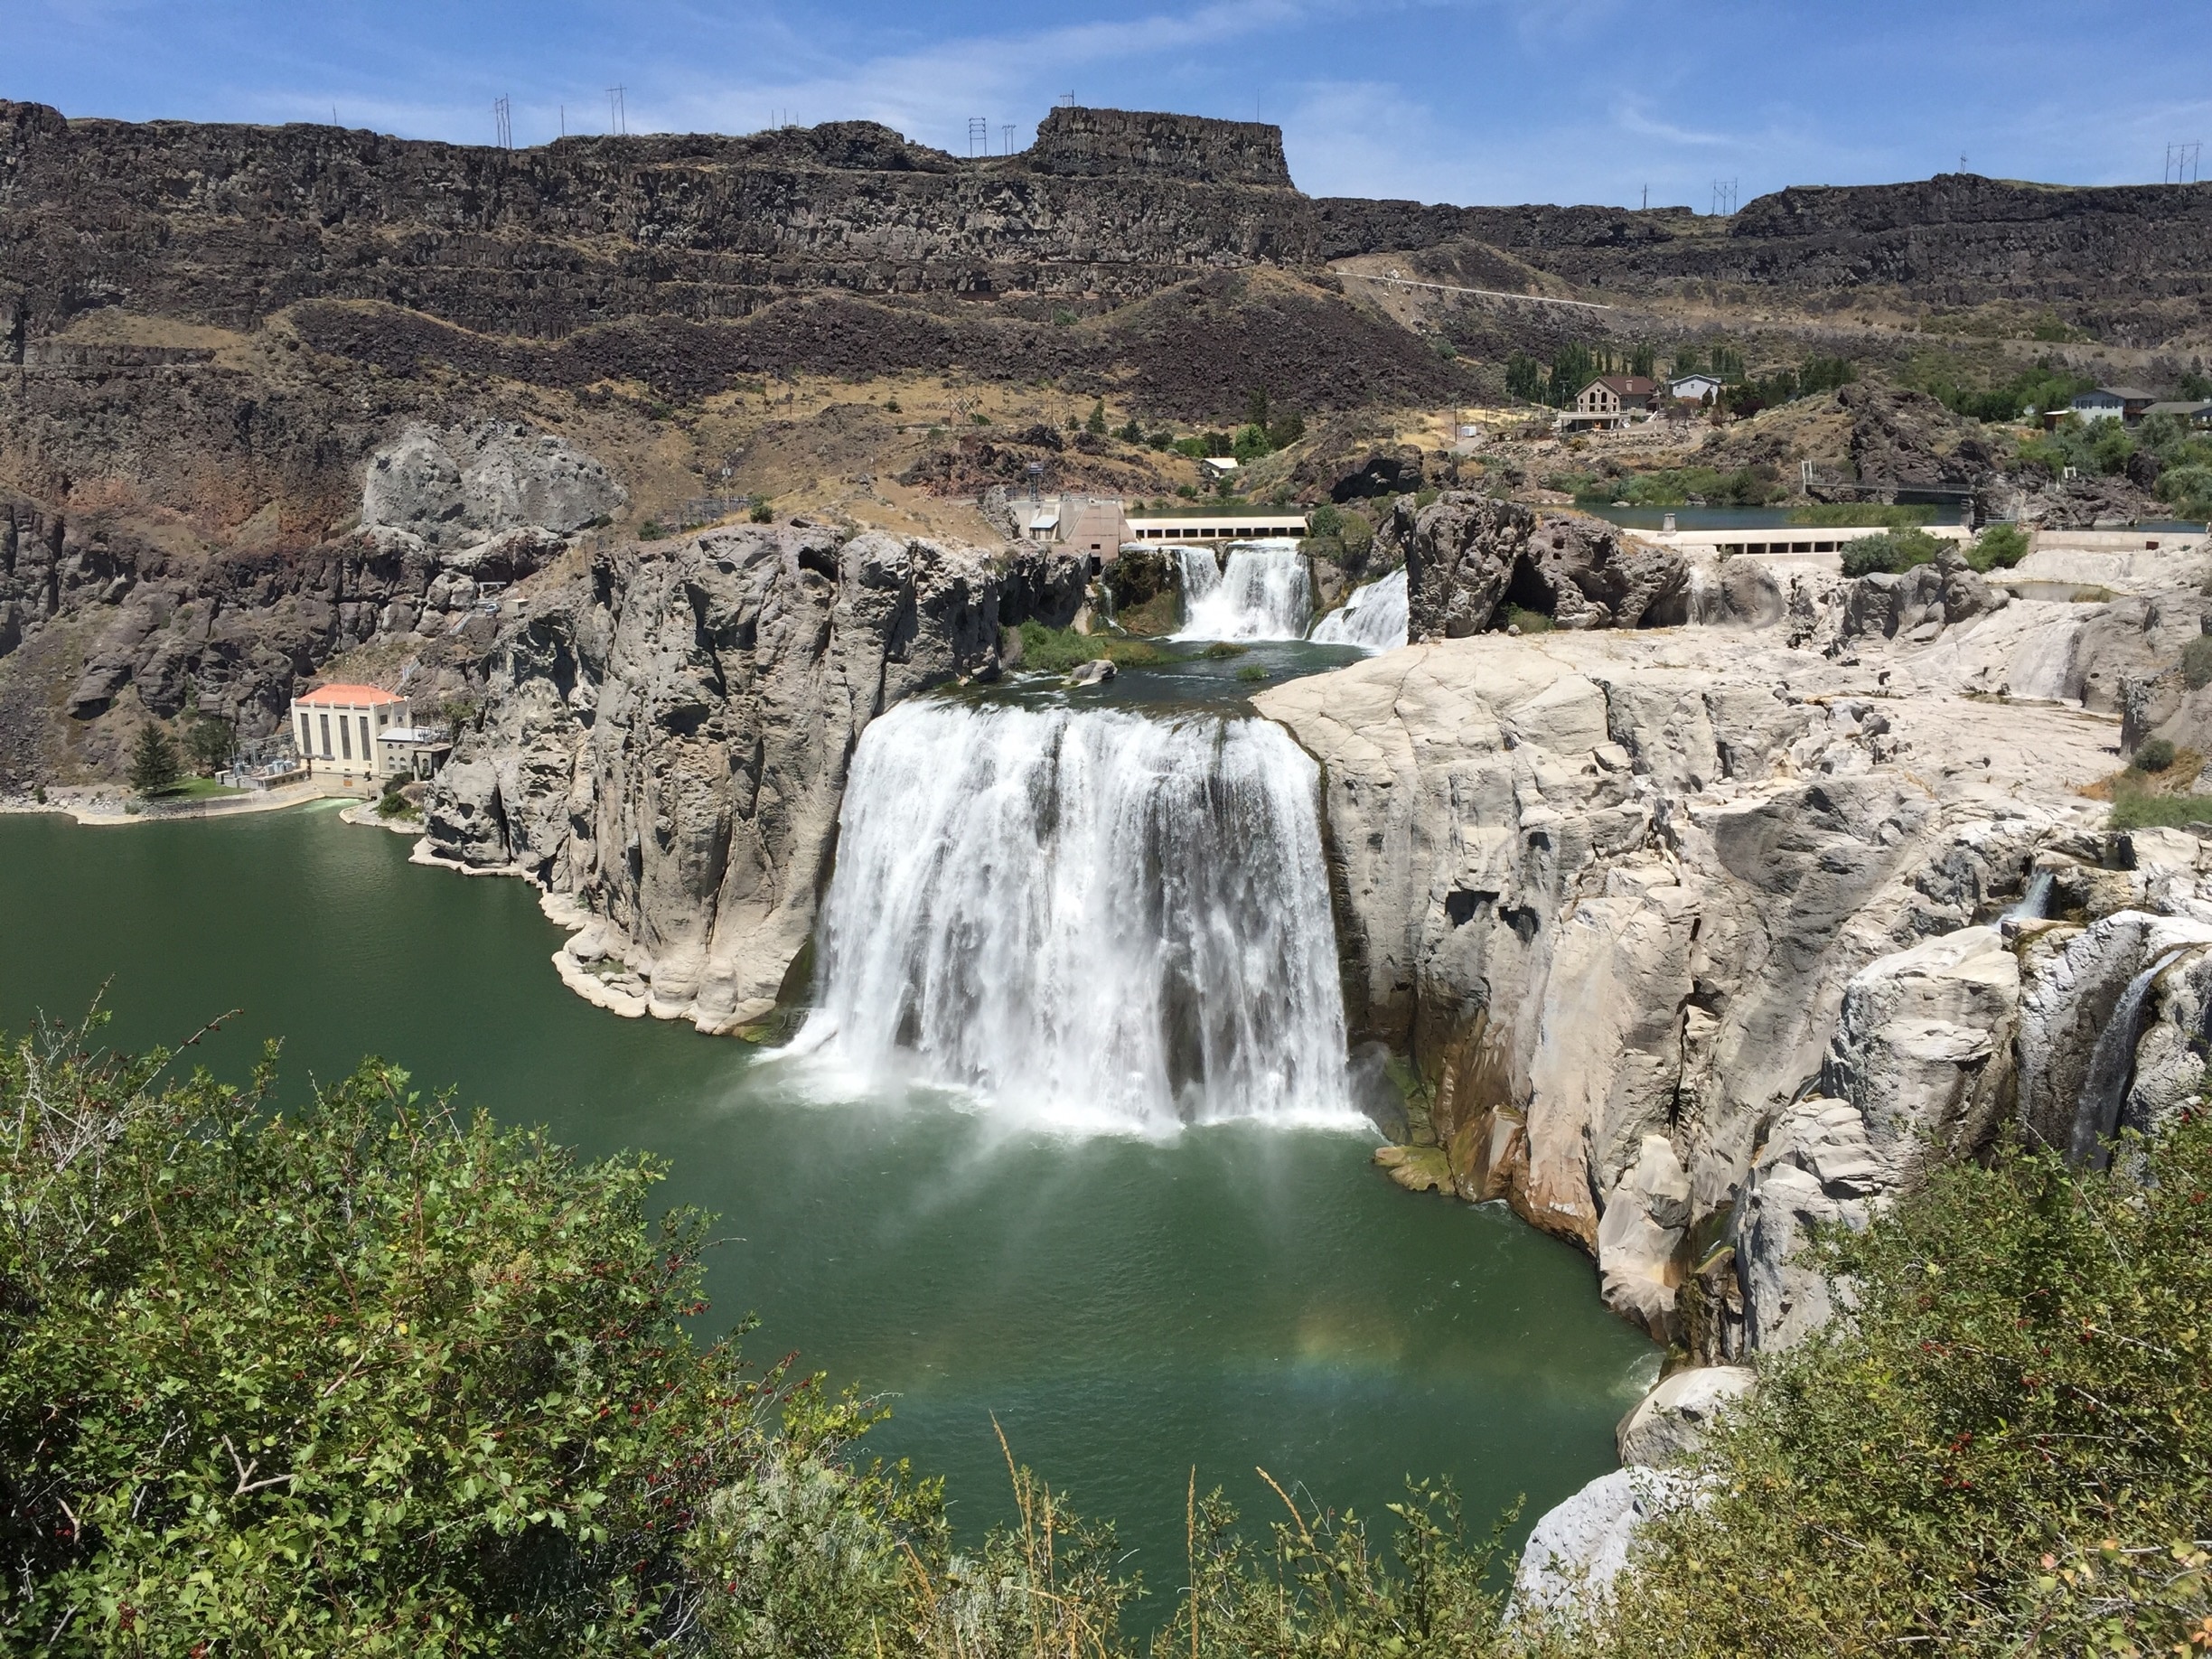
x=1693 y=388
x=1218 y=467
x=337 y=729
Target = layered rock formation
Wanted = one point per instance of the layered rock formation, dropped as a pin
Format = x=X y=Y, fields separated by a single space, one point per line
x=665 y=752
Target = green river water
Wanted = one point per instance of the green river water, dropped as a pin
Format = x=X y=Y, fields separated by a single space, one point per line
x=1236 y=1296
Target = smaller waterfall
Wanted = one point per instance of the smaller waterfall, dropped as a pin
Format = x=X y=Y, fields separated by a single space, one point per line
x=2032 y=905
x=2112 y=1067
x=1262 y=593
x=1373 y=618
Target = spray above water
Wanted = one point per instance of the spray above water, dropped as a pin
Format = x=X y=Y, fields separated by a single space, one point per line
x=1262 y=593
x=1374 y=617
x=1110 y=921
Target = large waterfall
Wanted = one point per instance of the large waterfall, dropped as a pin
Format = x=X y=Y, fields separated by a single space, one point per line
x=1262 y=593
x=1108 y=921
x=1374 y=617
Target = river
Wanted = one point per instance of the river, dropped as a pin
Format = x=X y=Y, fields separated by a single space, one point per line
x=1232 y=1296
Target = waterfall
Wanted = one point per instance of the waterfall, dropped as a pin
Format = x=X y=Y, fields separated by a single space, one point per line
x=2033 y=902
x=1106 y=921
x=1263 y=593
x=1374 y=617
x=2111 y=1066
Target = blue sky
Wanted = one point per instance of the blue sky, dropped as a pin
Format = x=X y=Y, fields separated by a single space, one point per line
x=1445 y=100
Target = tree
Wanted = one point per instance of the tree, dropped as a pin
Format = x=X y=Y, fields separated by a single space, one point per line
x=1097 y=423
x=1643 y=362
x=213 y=742
x=153 y=761
x=1524 y=378
x=1256 y=408
x=1686 y=361
x=1893 y=551
x=1999 y=547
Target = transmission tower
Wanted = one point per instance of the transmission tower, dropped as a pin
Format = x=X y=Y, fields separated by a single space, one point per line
x=2181 y=161
x=1724 y=196
x=979 y=136
x=1007 y=131
x=502 y=124
x=618 y=114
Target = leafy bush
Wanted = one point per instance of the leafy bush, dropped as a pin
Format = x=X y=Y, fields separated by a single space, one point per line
x=2188 y=489
x=2141 y=809
x=1891 y=551
x=1527 y=621
x=353 y=1375
x=2154 y=756
x=2197 y=662
x=2006 y=1448
x=1999 y=547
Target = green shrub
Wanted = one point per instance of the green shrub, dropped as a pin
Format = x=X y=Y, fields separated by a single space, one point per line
x=1892 y=552
x=2141 y=810
x=2005 y=1448
x=1527 y=621
x=1251 y=672
x=2154 y=754
x=2197 y=662
x=2188 y=489
x=1999 y=547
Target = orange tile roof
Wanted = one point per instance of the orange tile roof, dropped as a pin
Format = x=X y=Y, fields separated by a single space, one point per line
x=351 y=696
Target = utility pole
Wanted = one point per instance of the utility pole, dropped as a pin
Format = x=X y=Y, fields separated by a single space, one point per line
x=1007 y=129
x=1648 y=199
x=502 y=123
x=618 y=113
x=979 y=135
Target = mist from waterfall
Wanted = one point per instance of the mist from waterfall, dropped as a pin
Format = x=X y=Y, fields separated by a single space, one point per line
x=1374 y=617
x=1262 y=593
x=1099 y=920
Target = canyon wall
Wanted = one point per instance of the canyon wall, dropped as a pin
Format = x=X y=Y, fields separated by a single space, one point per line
x=667 y=732
x=227 y=224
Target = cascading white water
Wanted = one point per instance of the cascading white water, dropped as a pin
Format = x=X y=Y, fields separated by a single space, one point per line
x=2111 y=1065
x=1374 y=617
x=1262 y=593
x=2031 y=903
x=1700 y=594
x=1108 y=921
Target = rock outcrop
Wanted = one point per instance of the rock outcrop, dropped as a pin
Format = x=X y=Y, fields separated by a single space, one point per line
x=665 y=747
x=1669 y=1425
x=1467 y=556
x=1609 y=890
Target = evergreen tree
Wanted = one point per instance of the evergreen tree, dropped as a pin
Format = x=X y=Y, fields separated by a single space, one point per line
x=1524 y=378
x=1097 y=423
x=153 y=761
x=1643 y=362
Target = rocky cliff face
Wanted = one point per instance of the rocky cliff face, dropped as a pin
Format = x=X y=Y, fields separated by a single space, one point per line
x=665 y=743
x=228 y=224
x=1610 y=889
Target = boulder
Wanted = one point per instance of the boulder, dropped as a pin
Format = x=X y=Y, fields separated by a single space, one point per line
x=1578 y=1548
x=1668 y=1425
x=1095 y=672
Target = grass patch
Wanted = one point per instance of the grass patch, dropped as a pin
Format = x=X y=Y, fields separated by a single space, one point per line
x=1252 y=672
x=1220 y=650
x=195 y=789
x=2091 y=595
x=1527 y=621
x=1054 y=650
x=2145 y=811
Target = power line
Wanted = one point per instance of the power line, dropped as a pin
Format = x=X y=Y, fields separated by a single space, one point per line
x=2181 y=161
x=1007 y=130
x=618 y=113
x=979 y=136
x=1724 y=196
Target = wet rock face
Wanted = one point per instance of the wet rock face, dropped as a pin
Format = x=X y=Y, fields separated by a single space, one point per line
x=1467 y=555
x=666 y=748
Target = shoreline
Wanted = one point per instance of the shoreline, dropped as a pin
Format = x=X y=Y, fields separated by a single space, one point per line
x=102 y=807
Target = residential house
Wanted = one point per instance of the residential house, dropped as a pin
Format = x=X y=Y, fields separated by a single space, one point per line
x=2188 y=412
x=1610 y=398
x=1694 y=388
x=2121 y=403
